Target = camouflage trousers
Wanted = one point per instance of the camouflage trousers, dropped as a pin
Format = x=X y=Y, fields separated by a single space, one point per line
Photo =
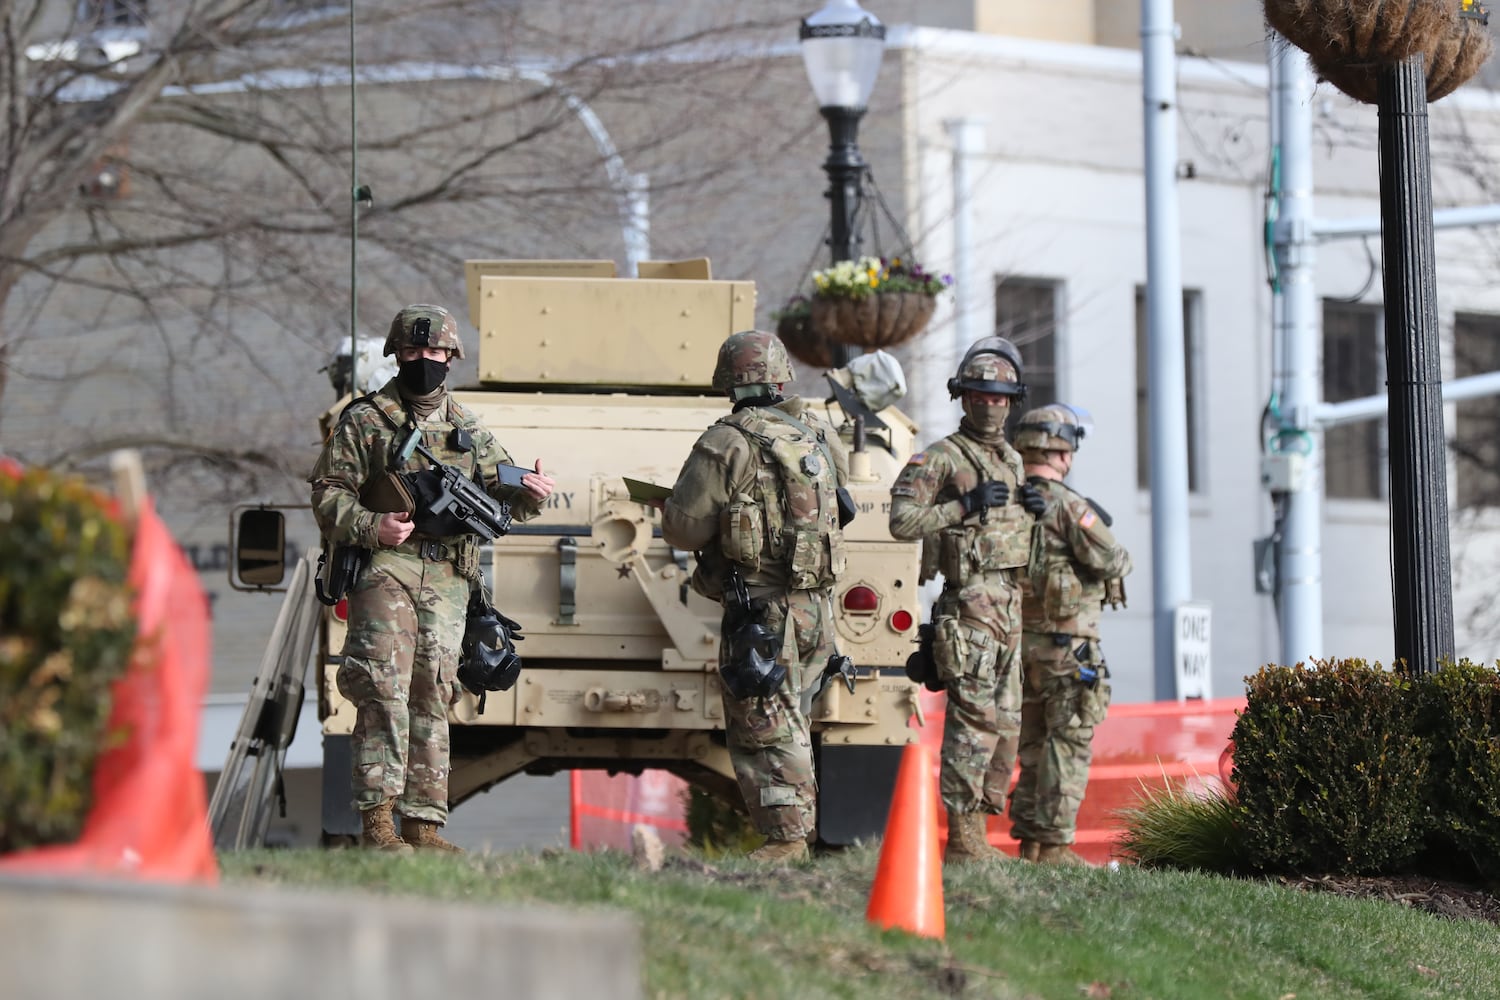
x=978 y=659
x=1058 y=715
x=406 y=621
x=770 y=741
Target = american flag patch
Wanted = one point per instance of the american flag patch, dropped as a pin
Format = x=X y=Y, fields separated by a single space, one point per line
x=1088 y=518
x=920 y=458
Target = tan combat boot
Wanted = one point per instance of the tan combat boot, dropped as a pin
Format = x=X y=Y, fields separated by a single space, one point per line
x=780 y=852
x=1029 y=850
x=423 y=835
x=967 y=841
x=380 y=830
x=1060 y=854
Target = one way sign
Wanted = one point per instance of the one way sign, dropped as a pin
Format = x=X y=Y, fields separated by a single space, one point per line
x=1191 y=649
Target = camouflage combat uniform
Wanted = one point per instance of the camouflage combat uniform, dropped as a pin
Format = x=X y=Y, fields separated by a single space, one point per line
x=407 y=610
x=1064 y=594
x=977 y=619
x=732 y=468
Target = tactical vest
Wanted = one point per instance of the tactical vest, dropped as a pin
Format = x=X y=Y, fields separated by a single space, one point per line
x=790 y=516
x=999 y=539
x=464 y=548
x=436 y=442
x=1058 y=598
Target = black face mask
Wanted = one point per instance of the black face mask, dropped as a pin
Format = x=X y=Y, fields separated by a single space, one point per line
x=421 y=376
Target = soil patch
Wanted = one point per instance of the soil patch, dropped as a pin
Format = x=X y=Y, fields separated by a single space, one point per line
x=1443 y=899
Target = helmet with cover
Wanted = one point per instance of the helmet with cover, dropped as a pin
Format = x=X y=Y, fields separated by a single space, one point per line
x=1055 y=427
x=992 y=365
x=424 y=326
x=751 y=357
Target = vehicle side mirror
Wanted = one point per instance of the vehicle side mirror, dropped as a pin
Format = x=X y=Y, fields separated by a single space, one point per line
x=260 y=548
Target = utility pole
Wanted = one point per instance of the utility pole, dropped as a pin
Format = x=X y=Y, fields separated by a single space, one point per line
x=1171 y=564
x=1293 y=463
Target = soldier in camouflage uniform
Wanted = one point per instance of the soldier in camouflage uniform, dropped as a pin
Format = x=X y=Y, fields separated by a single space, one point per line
x=1076 y=568
x=407 y=609
x=966 y=497
x=759 y=491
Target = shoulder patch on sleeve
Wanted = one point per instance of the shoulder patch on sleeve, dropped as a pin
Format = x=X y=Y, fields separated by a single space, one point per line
x=1088 y=518
x=920 y=458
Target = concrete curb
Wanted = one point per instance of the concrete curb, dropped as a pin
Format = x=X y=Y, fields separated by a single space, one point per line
x=63 y=939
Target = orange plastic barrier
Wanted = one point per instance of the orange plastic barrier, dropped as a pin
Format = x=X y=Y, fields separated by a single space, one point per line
x=149 y=817
x=1152 y=744
x=605 y=807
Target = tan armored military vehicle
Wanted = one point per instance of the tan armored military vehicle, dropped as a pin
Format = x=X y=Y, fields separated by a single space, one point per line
x=604 y=378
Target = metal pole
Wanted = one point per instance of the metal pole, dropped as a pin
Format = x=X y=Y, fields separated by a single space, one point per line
x=1170 y=555
x=1421 y=585
x=353 y=221
x=845 y=168
x=968 y=142
x=1299 y=577
x=638 y=228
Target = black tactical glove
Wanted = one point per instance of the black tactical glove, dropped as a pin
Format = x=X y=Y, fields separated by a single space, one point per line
x=1032 y=500
x=990 y=494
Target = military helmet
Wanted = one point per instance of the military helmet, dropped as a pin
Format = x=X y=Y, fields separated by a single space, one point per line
x=424 y=326
x=992 y=365
x=752 y=357
x=1056 y=427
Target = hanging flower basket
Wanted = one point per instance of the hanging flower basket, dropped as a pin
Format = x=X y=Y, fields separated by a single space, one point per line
x=794 y=327
x=874 y=302
x=881 y=320
x=1349 y=41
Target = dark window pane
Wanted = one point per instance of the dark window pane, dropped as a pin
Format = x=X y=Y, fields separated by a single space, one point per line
x=1026 y=315
x=1190 y=341
x=1353 y=367
x=1476 y=425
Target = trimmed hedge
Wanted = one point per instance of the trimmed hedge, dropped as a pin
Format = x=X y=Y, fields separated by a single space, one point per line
x=67 y=629
x=1330 y=769
x=1460 y=708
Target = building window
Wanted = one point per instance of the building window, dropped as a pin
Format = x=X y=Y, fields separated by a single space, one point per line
x=1476 y=424
x=1192 y=302
x=1026 y=315
x=1354 y=454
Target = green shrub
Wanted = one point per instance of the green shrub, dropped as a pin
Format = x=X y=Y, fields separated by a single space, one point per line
x=66 y=631
x=1173 y=827
x=1330 y=769
x=718 y=826
x=1460 y=716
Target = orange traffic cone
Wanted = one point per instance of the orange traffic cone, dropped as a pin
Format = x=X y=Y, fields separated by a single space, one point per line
x=908 y=890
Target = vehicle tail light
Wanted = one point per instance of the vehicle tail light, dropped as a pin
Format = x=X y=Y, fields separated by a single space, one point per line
x=861 y=600
x=902 y=620
x=341 y=609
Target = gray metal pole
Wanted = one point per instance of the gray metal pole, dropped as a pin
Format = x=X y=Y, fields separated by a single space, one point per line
x=968 y=142
x=1171 y=582
x=1421 y=580
x=1299 y=578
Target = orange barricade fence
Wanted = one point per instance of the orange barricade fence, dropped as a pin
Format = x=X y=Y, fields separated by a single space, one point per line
x=605 y=807
x=149 y=815
x=1152 y=744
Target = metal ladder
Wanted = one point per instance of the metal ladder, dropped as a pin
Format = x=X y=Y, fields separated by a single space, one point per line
x=269 y=723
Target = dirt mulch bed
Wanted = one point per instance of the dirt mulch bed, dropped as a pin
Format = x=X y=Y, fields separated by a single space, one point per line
x=1442 y=899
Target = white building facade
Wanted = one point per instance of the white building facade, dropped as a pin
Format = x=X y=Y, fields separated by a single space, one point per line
x=1058 y=223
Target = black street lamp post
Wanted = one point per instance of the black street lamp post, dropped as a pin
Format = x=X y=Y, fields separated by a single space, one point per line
x=841 y=48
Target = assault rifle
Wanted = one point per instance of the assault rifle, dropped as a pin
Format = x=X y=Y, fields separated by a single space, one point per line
x=449 y=493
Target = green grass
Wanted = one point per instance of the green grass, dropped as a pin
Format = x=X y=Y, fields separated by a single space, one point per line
x=727 y=929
